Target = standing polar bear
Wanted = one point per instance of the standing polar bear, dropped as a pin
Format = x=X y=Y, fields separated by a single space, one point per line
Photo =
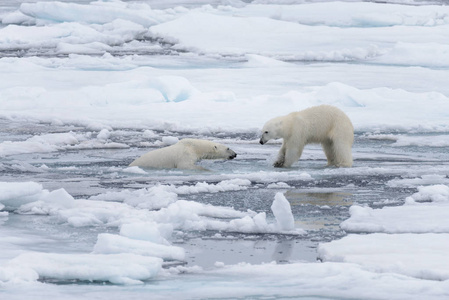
x=324 y=124
x=184 y=154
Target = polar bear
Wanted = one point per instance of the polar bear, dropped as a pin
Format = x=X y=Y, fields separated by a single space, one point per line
x=184 y=154
x=324 y=124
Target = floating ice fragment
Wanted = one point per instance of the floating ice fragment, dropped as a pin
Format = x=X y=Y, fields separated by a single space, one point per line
x=412 y=217
x=423 y=180
x=49 y=202
x=418 y=255
x=255 y=61
x=283 y=213
x=110 y=244
x=15 y=194
x=134 y=170
x=278 y=185
x=149 y=134
x=3 y=213
x=124 y=268
x=12 y=274
x=104 y=134
x=148 y=231
x=169 y=140
x=434 y=193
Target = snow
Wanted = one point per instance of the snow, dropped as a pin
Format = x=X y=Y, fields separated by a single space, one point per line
x=98 y=12
x=116 y=268
x=116 y=244
x=419 y=141
x=104 y=98
x=412 y=217
x=58 y=141
x=278 y=185
x=134 y=170
x=148 y=231
x=422 y=180
x=436 y=193
x=421 y=256
x=420 y=218
x=410 y=239
x=347 y=14
x=15 y=194
x=326 y=279
x=87 y=86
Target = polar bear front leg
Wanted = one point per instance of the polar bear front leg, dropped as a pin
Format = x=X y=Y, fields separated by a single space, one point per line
x=187 y=160
x=292 y=154
x=279 y=163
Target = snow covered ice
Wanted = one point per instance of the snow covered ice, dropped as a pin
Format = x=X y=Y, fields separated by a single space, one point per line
x=88 y=86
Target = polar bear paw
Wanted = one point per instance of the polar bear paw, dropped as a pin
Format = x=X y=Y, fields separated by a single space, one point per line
x=278 y=164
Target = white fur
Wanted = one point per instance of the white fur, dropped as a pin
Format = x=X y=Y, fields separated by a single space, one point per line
x=324 y=124
x=184 y=154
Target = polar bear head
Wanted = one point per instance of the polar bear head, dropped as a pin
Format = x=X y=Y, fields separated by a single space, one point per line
x=209 y=150
x=273 y=129
x=222 y=151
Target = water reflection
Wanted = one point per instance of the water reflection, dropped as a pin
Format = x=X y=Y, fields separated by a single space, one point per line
x=318 y=211
x=319 y=198
x=283 y=251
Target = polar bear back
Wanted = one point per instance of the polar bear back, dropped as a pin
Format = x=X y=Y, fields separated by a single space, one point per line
x=319 y=123
x=184 y=154
x=167 y=157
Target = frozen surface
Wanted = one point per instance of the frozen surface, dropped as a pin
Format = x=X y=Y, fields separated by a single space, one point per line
x=415 y=246
x=417 y=255
x=120 y=268
x=88 y=86
x=413 y=216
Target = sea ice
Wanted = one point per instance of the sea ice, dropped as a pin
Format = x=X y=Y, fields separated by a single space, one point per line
x=420 y=218
x=107 y=69
x=15 y=194
x=116 y=244
x=123 y=268
x=283 y=213
x=430 y=179
x=438 y=193
x=412 y=217
x=418 y=255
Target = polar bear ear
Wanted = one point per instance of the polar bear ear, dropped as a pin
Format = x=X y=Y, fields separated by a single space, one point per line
x=215 y=147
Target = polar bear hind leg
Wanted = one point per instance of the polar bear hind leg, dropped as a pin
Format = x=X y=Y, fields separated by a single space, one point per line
x=343 y=155
x=329 y=150
x=338 y=147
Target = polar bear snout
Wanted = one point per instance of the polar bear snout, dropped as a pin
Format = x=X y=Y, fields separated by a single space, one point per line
x=233 y=155
x=265 y=137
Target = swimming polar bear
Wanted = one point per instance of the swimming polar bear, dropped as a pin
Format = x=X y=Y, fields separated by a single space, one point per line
x=322 y=124
x=184 y=154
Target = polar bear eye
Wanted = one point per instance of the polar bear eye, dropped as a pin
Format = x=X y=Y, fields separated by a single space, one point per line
x=266 y=132
x=215 y=147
